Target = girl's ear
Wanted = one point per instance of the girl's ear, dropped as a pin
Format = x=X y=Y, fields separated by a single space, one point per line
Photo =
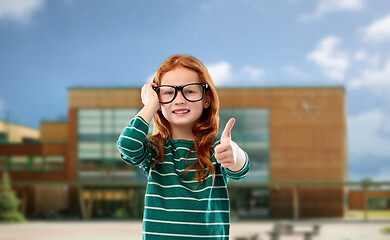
x=207 y=100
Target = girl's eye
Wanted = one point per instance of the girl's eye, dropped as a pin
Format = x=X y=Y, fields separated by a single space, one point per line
x=168 y=92
x=189 y=92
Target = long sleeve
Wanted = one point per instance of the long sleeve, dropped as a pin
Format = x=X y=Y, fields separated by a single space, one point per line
x=241 y=173
x=230 y=174
x=132 y=144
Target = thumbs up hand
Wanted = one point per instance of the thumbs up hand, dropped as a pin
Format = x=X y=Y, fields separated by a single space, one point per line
x=226 y=151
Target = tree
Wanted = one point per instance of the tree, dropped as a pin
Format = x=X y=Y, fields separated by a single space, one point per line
x=366 y=181
x=9 y=203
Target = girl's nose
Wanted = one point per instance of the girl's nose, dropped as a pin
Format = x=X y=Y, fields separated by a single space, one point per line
x=179 y=98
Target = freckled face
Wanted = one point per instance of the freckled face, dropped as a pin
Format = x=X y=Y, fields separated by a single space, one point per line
x=180 y=112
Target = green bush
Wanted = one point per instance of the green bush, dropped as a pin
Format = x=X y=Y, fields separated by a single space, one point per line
x=386 y=230
x=9 y=203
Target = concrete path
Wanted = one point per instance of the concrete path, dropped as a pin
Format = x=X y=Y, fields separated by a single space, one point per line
x=129 y=230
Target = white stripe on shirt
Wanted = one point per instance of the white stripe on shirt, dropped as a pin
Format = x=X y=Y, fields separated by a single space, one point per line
x=188 y=223
x=187 y=210
x=186 y=198
x=172 y=186
x=184 y=235
x=137 y=130
x=142 y=120
x=130 y=149
x=175 y=174
x=133 y=139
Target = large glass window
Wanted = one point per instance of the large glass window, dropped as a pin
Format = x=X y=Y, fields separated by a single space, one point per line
x=32 y=163
x=98 y=157
x=378 y=203
x=19 y=163
x=98 y=131
x=250 y=132
x=54 y=163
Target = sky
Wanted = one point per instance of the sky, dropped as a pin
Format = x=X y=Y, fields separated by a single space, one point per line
x=47 y=47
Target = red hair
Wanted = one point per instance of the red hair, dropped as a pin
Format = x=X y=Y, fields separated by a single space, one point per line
x=205 y=129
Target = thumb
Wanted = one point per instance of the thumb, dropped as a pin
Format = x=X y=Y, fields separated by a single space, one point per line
x=226 y=134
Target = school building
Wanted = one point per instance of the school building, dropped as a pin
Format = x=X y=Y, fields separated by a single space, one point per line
x=293 y=135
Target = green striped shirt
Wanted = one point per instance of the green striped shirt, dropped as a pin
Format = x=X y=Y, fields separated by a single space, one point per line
x=176 y=205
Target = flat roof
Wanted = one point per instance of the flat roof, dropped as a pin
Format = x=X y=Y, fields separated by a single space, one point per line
x=46 y=121
x=17 y=124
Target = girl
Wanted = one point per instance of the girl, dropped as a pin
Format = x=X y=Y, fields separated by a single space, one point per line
x=187 y=168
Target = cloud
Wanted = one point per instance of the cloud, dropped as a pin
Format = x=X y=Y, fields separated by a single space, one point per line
x=223 y=74
x=333 y=62
x=220 y=72
x=369 y=134
x=362 y=56
x=328 y=6
x=379 y=172
x=375 y=78
x=20 y=11
x=368 y=141
x=149 y=79
x=378 y=31
x=253 y=74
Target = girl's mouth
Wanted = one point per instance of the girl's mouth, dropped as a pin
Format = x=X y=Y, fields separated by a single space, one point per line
x=181 y=111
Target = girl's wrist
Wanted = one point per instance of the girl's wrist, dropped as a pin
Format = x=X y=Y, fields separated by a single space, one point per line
x=240 y=158
x=153 y=106
x=148 y=111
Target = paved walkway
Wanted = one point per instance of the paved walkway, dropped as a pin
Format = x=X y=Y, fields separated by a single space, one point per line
x=131 y=230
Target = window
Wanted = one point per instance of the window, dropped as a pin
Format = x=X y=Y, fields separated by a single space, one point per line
x=97 y=132
x=3 y=137
x=24 y=163
x=54 y=163
x=251 y=133
x=29 y=140
x=378 y=203
x=38 y=163
x=3 y=162
x=19 y=163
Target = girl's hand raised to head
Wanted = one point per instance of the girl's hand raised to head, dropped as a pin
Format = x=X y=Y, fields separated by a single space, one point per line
x=150 y=100
x=149 y=96
x=228 y=153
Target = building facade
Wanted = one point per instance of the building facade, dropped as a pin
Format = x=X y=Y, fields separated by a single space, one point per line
x=290 y=134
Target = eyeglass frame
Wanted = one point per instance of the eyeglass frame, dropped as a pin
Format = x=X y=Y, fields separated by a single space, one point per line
x=205 y=86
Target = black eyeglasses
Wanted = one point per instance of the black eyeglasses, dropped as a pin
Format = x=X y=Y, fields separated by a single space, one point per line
x=192 y=92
